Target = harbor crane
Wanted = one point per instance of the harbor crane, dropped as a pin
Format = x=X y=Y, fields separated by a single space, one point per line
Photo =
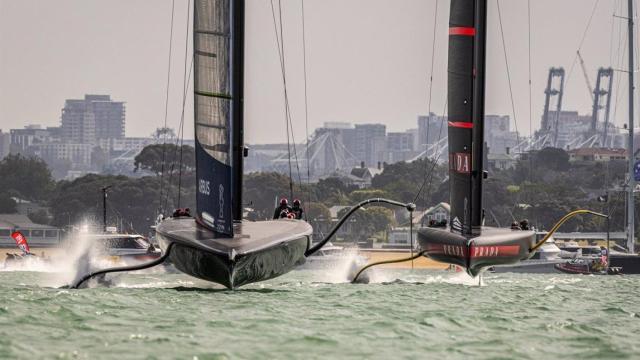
x=555 y=89
x=602 y=103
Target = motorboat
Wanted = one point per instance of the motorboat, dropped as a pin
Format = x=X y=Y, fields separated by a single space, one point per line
x=542 y=261
x=330 y=255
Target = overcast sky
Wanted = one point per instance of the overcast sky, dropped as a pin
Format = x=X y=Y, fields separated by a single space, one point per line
x=367 y=60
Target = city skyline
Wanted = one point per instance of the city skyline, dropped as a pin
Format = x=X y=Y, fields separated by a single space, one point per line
x=348 y=78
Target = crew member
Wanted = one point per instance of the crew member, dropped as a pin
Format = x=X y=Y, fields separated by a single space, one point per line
x=283 y=207
x=297 y=209
x=524 y=224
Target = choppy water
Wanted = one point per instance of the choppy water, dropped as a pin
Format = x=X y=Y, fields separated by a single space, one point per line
x=416 y=314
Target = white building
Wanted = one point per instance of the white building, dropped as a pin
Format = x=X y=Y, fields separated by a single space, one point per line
x=5 y=144
x=77 y=154
x=36 y=234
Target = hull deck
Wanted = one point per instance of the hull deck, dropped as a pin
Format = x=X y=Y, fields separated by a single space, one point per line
x=494 y=247
x=258 y=251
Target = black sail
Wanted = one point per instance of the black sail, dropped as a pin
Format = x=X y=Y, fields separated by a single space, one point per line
x=466 y=113
x=213 y=97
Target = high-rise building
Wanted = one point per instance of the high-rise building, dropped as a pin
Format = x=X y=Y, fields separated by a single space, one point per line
x=370 y=143
x=498 y=135
x=400 y=146
x=431 y=128
x=92 y=118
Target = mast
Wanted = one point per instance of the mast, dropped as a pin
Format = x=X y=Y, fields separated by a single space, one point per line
x=478 y=146
x=466 y=79
x=632 y=182
x=237 y=88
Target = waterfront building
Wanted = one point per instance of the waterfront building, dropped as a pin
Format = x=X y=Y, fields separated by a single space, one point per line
x=37 y=235
x=23 y=139
x=597 y=155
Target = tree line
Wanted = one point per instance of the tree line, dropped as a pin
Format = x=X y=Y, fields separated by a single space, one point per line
x=541 y=187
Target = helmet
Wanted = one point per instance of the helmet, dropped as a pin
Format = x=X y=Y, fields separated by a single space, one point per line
x=296 y=202
x=284 y=202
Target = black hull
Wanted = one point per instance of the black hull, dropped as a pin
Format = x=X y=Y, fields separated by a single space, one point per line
x=494 y=247
x=259 y=250
x=630 y=263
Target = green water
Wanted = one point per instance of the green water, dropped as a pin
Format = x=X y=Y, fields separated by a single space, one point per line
x=419 y=314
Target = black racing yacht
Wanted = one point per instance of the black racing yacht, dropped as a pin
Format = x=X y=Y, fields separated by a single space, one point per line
x=217 y=245
x=467 y=243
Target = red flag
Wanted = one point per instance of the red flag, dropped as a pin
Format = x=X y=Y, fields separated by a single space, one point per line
x=21 y=241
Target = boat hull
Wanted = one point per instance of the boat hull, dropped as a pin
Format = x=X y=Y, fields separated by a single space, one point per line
x=529 y=267
x=258 y=251
x=630 y=263
x=494 y=247
x=585 y=269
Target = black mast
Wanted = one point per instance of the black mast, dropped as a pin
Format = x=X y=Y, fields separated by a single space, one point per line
x=479 y=60
x=237 y=129
x=466 y=79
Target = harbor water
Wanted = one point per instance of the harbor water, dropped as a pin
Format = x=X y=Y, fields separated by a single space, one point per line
x=302 y=315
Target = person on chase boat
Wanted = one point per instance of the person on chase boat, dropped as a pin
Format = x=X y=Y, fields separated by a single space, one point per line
x=283 y=207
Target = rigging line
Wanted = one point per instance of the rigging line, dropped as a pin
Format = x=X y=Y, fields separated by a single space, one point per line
x=437 y=155
x=433 y=47
x=166 y=103
x=506 y=62
x=433 y=50
x=287 y=102
x=613 y=25
x=306 y=104
x=184 y=99
x=530 y=172
x=284 y=81
x=530 y=101
x=584 y=35
x=529 y=65
x=179 y=135
x=620 y=62
x=185 y=81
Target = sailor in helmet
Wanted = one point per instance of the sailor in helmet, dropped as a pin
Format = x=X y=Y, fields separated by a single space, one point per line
x=282 y=208
x=297 y=209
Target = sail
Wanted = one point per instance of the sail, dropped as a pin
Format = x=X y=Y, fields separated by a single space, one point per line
x=466 y=113
x=21 y=242
x=213 y=111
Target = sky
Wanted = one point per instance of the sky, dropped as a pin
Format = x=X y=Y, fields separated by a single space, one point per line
x=368 y=61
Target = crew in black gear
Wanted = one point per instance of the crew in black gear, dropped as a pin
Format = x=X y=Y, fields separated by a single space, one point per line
x=283 y=207
x=297 y=209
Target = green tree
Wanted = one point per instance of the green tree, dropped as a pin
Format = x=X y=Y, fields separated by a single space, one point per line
x=365 y=223
x=263 y=189
x=552 y=158
x=357 y=196
x=165 y=157
x=404 y=180
x=29 y=177
x=39 y=217
x=132 y=202
x=7 y=204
